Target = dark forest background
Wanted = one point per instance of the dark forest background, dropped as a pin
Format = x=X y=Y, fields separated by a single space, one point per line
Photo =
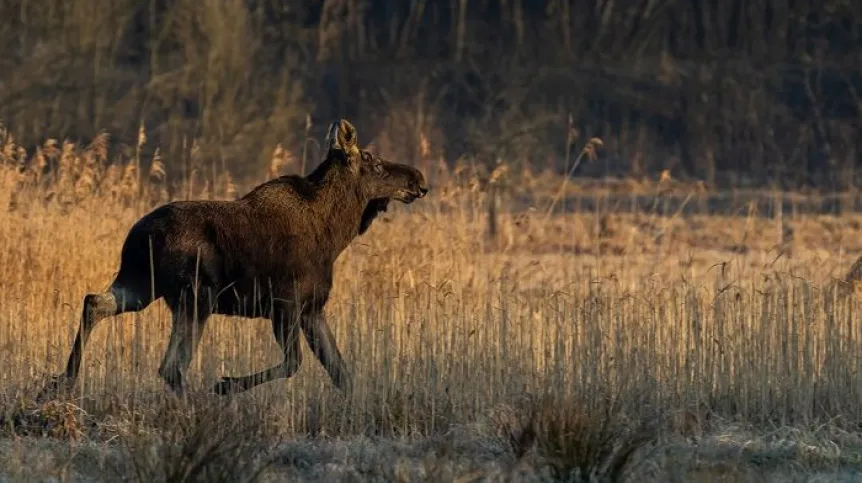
x=729 y=91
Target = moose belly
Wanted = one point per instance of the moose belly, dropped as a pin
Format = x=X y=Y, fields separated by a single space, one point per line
x=258 y=297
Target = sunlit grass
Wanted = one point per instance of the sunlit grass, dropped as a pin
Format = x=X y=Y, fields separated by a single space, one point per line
x=584 y=328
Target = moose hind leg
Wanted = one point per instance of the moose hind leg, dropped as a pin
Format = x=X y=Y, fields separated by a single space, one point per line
x=323 y=345
x=286 y=332
x=97 y=306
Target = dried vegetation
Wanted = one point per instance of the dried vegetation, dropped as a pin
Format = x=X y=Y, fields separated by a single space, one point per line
x=591 y=345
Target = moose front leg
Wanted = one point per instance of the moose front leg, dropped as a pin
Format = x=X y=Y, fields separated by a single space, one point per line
x=286 y=332
x=322 y=344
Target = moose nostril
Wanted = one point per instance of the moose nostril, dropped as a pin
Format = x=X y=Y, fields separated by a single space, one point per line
x=423 y=190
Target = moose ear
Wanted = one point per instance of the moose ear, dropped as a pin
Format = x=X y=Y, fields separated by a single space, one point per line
x=342 y=138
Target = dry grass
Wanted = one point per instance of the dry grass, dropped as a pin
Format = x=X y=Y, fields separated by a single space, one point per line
x=590 y=345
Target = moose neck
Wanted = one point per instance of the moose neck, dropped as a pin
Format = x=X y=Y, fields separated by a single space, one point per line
x=338 y=206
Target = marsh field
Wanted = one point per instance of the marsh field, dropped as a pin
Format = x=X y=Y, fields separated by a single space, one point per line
x=702 y=336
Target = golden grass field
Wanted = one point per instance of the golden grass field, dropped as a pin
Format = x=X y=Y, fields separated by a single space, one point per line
x=638 y=347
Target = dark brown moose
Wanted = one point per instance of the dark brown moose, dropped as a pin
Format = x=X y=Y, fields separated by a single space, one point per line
x=267 y=254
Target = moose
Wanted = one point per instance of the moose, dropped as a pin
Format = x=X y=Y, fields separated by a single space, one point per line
x=268 y=254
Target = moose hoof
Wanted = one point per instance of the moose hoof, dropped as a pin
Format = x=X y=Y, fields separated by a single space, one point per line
x=176 y=392
x=225 y=387
x=57 y=385
x=343 y=383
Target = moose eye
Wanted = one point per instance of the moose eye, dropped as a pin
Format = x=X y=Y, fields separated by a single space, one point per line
x=378 y=168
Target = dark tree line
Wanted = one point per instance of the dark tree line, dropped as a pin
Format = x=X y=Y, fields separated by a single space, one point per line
x=765 y=89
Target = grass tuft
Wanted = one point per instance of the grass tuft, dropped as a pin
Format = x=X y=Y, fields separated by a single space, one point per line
x=202 y=441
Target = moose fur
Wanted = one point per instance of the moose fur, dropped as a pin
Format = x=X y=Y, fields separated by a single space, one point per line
x=269 y=254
